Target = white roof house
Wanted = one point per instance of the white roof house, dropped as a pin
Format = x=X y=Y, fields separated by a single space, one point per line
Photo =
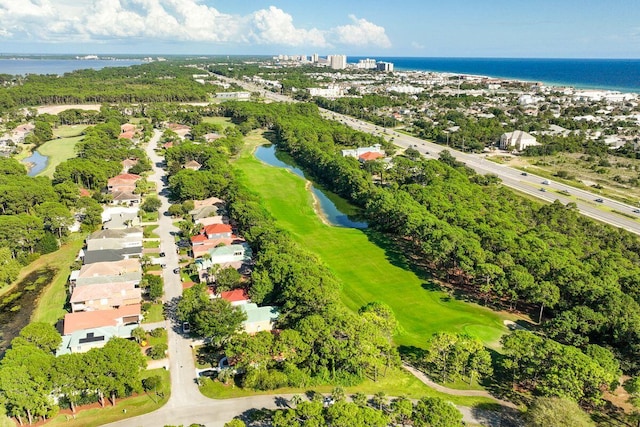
x=518 y=140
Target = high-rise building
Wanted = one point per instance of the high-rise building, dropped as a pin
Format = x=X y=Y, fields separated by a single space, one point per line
x=366 y=64
x=338 y=62
x=385 y=66
x=314 y=58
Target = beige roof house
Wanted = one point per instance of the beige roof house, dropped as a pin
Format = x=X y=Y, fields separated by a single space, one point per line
x=114 y=268
x=104 y=296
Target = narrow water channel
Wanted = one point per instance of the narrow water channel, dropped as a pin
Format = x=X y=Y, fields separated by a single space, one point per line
x=268 y=154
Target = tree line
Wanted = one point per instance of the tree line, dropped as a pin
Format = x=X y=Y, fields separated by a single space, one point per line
x=582 y=277
x=35 y=384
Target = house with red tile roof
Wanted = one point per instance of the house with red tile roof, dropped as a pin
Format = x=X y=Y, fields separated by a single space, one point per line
x=236 y=296
x=123 y=182
x=127 y=127
x=127 y=135
x=370 y=155
x=217 y=231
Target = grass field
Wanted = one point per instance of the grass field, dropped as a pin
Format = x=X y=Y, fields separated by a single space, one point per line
x=368 y=266
x=58 y=150
x=397 y=383
x=222 y=121
x=50 y=306
x=154 y=314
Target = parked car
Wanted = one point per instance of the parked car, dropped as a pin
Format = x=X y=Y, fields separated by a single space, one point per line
x=210 y=373
x=176 y=270
x=186 y=327
x=162 y=254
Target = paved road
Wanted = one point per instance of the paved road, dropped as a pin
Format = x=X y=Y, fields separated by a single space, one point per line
x=529 y=184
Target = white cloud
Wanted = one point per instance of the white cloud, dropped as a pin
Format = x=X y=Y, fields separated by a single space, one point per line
x=417 y=45
x=362 y=33
x=275 y=26
x=170 y=20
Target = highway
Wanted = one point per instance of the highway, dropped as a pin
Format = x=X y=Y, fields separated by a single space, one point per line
x=529 y=184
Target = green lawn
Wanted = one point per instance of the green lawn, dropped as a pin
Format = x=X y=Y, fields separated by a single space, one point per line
x=151 y=244
x=222 y=121
x=67 y=131
x=134 y=406
x=367 y=265
x=58 y=150
x=149 y=232
x=397 y=383
x=50 y=305
x=154 y=314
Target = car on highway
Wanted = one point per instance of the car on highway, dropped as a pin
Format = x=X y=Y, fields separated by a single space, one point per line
x=636 y=211
x=545 y=182
x=600 y=200
x=524 y=174
x=542 y=189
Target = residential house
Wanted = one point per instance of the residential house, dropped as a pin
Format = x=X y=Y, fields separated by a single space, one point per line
x=109 y=269
x=104 y=296
x=193 y=165
x=235 y=297
x=123 y=182
x=84 y=340
x=369 y=156
x=217 y=219
x=126 y=315
x=204 y=212
x=128 y=164
x=110 y=255
x=234 y=255
x=517 y=140
x=118 y=217
x=181 y=130
x=357 y=152
x=259 y=318
x=125 y=198
x=128 y=237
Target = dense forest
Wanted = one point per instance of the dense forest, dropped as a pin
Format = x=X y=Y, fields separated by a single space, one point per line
x=157 y=82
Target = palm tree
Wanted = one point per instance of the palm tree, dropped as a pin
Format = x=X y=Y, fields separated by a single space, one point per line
x=380 y=399
x=337 y=394
x=359 y=399
x=296 y=399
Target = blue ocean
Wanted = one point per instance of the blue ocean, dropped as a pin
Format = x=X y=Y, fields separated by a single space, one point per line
x=612 y=74
x=58 y=66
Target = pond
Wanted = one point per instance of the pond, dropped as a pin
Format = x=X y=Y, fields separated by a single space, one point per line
x=17 y=305
x=36 y=163
x=329 y=210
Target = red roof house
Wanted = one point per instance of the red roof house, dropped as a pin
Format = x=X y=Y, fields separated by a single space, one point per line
x=235 y=297
x=370 y=155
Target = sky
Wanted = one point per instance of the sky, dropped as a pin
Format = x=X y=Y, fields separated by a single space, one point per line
x=422 y=28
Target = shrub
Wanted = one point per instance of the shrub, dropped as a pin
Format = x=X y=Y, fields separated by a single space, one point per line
x=151 y=383
x=158 y=351
x=157 y=332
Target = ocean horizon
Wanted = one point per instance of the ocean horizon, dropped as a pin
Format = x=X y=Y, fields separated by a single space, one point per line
x=607 y=74
x=582 y=73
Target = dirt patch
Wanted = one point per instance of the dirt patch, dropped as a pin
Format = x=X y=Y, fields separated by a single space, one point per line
x=55 y=109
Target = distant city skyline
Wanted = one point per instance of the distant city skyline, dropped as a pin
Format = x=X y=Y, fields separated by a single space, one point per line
x=458 y=28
